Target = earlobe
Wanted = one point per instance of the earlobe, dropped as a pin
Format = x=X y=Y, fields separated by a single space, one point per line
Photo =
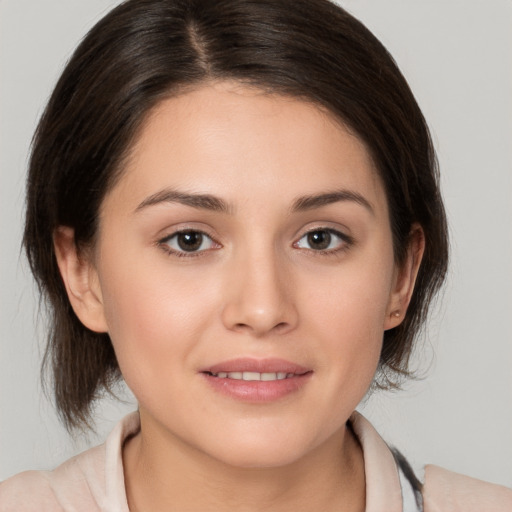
x=80 y=279
x=405 y=279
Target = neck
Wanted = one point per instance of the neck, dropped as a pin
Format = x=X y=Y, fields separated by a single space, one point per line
x=178 y=477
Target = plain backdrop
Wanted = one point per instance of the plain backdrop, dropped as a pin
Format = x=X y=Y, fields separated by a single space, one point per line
x=456 y=55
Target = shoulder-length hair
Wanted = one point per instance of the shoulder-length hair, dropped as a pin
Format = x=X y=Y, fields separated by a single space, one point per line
x=146 y=50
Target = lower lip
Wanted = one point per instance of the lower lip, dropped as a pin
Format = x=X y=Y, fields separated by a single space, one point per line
x=256 y=390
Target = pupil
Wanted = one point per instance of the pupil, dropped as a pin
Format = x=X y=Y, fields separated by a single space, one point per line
x=319 y=240
x=190 y=241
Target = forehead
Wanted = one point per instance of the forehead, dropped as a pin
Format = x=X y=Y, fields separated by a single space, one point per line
x=237 y=142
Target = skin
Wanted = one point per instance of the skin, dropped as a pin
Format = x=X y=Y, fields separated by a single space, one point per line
x=256 y=288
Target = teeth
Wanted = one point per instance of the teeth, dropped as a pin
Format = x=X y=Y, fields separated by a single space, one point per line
x=252 y=376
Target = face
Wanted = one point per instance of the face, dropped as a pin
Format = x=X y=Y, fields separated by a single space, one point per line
x=244 y=270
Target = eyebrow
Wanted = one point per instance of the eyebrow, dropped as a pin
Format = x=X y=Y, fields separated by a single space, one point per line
x=318 y=200
x=201 y=201
x=213 y=203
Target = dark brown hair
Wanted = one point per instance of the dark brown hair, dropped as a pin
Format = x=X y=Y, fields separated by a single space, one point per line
x=145 y=50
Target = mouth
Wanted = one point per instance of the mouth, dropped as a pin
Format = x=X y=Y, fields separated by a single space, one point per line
x=254 y=376
x=253 y=380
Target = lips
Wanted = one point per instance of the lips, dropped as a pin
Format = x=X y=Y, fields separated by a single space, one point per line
x=257 y=366
x=253 y=376
x=256 y=380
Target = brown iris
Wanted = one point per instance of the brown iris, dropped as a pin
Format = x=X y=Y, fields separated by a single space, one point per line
x=319 y=240
x=189 y=240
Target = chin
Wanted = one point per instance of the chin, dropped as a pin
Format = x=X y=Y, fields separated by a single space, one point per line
x=247 y=458
x=260 y=450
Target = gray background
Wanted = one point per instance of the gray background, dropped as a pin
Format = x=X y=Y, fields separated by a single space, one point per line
x=456 y=55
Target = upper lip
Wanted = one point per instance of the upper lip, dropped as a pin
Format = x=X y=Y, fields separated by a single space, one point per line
x=256 y=365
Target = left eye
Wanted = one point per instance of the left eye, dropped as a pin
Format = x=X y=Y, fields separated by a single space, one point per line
x=188 y=241
x=321 y=240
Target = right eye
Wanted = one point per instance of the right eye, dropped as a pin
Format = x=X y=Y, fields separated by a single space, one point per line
x=188 y=241
x=323 y=240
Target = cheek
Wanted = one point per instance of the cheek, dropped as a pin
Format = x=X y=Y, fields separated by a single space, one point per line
x=155 y=317
x=349 y=308
x=354 y=297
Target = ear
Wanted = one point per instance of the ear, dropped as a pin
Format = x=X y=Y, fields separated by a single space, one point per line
x=80 y=279
x=405 y=278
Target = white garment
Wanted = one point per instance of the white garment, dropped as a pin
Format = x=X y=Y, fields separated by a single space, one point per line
x=94 y=481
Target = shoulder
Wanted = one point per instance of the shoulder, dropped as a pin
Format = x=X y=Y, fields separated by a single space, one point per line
x=445 y=491
x=54 y=491
x=90 y=482
x=28 y=491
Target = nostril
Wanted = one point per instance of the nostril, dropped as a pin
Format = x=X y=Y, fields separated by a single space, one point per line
x=278 y=327
x=250 y=314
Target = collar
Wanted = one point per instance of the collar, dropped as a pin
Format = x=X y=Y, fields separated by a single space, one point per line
x=383 y=489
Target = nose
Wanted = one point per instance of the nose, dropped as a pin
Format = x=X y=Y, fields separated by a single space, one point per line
x=259 y=297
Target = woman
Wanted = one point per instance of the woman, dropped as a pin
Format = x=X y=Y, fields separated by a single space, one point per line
x=234 y=205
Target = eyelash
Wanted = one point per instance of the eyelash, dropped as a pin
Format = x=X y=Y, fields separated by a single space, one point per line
x=345 y=240
x=164 y=243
